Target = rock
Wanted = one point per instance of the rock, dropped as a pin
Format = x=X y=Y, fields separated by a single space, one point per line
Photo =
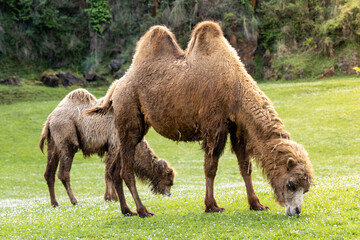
x=119 y=74
x=90 y=77
x=68 y=79
x=346 y=65
x=288 y=72
x=13 y=80
x=50 y=80
x=328 y=73
x=266 y=65
x=289 y=77
x=115 y=64
x=301 y=73
x=246 y=52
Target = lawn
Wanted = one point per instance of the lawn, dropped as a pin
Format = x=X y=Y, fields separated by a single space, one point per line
x=321 y=115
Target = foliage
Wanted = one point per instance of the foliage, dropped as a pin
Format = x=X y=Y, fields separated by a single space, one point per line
x=309 y=25
x=99 y=15
x=63 y=33
x=42 y=29
x=323 y=116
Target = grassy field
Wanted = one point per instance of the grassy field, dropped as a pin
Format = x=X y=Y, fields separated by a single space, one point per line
x=321 y=115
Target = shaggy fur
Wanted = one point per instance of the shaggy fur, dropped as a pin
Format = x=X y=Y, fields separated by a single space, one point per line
x=67 y=130
x=203 y=93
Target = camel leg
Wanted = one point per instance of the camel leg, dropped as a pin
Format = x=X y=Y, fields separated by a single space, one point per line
x=127 y=173
x=114 y=170
x=49 y=175
x=66 y=159
x=239 y=147
x=210 y=168
x=110 y=191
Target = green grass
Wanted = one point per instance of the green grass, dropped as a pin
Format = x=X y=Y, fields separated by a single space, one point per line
x=34 y=93
x=321 y=115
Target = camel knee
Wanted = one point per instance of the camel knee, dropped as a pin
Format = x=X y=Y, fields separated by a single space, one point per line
x=210 y=171
x=245 y=168
x=49 y=177
x=64 y=176
x=127 y=176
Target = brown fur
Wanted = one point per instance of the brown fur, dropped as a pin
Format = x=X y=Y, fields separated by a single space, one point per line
x=67 y=130
x=203 y=93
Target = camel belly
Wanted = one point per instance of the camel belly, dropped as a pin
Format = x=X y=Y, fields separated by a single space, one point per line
x=177 y=131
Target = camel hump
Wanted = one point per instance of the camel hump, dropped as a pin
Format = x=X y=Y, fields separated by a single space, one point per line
x=207 y=29
x=206 y=37
x=157 y=41
x=81 y=96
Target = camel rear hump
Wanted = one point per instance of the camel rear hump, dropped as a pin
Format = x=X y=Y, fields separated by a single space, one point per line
x=206 y=37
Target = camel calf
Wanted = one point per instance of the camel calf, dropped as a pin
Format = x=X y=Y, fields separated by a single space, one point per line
x=67 y=130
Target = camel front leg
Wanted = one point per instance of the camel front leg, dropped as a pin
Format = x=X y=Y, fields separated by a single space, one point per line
x=245 y=166
x=210 y=168
x=127 y=174
x=114 y=171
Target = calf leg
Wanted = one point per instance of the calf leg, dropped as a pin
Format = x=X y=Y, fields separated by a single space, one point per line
x=239 y=147
x=66 y=159
x=49 y=175
x=110 y=191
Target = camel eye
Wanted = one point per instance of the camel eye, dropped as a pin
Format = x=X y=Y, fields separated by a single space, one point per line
x=291 y=186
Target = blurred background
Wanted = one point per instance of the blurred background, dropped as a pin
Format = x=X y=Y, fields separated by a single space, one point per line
x=95 y=39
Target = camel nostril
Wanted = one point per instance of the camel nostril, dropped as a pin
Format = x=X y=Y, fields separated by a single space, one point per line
x=297 y=210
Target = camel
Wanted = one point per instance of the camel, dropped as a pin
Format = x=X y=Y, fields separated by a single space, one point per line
x=66 y=130
x=205 y=93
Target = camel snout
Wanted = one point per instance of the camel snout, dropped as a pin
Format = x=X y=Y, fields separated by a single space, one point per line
x=293 y=210
x=166 y=194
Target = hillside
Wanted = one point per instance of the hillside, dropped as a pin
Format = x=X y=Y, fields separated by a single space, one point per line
x=276 y=39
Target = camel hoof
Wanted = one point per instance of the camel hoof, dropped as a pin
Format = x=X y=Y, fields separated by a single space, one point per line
x=259 y=208
x=145 y=214
x=214 y=209
x=128 y=213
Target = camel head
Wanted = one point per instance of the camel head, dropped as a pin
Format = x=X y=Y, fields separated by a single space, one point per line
x=291 y=175
x=164 y=178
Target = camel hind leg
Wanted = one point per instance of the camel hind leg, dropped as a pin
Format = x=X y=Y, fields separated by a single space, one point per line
x=239 y=147
x=66 y=158
x=50 y=172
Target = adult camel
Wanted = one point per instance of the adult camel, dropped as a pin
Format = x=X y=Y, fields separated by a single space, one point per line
x=204 y=93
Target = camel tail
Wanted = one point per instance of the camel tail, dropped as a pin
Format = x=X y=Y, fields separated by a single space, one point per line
x=44 y=135
x=105 y=107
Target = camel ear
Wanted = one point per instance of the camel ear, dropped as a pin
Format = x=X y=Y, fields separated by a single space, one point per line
x=290 y=163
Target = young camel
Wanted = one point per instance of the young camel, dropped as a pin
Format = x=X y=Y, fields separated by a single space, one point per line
x=67 y=130
x=204 y=94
